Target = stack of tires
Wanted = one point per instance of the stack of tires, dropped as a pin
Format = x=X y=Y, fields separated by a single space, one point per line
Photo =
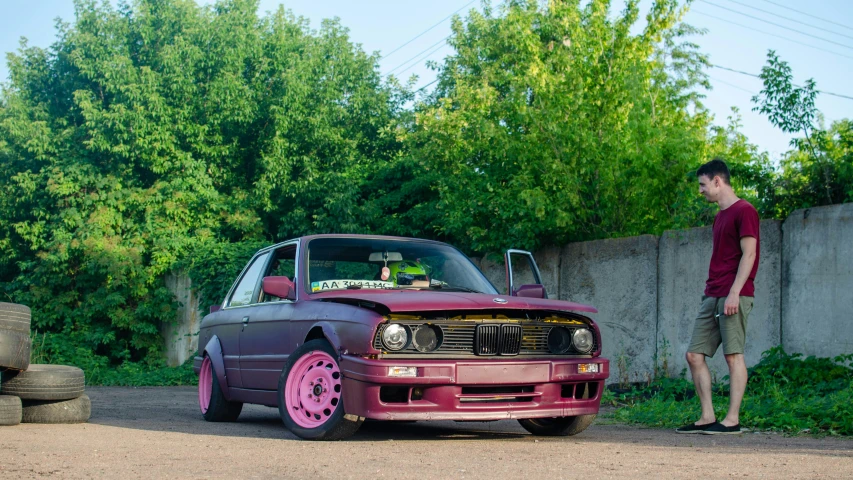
x=32 y=393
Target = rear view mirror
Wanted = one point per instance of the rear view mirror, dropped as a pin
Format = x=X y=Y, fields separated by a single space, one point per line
x=530 y=291
x=281 y=287
x=215 y=308
x=522 y=275
x=385 y=257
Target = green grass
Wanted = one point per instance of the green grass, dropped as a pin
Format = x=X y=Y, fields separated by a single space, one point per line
x=785 y=393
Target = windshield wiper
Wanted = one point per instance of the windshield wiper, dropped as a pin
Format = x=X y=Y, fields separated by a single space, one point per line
x=440 y=286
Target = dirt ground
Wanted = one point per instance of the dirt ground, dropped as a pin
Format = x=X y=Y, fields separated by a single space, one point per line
x=159 y=433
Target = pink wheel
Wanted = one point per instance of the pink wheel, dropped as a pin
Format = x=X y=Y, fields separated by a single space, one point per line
x=205 y=385
x=312 y=392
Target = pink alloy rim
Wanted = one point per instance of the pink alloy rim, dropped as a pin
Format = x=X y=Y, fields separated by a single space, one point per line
x=205 y=385
x=312 y=392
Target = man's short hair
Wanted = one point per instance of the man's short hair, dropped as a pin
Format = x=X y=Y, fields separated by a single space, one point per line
x=715 y=168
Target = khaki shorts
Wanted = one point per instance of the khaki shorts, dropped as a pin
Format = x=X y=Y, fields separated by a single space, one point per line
x=713 y=327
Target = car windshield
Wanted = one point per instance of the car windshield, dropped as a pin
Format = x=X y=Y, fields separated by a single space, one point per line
x=366 y=263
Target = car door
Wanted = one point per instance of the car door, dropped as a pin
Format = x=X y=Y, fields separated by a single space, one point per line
x=238 y=306
x=523 y=278
x=265 y=336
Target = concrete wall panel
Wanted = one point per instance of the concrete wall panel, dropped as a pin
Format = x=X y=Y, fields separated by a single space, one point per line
x=618 y=277
x=817 y=281
x=180 y=338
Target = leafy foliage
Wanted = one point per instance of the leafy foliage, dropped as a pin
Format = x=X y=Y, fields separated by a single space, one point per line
x=785 y=393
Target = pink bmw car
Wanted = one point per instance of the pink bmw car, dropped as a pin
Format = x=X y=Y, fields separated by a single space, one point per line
x=336 y=329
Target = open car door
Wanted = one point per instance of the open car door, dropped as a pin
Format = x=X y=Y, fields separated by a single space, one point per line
x=522 y=275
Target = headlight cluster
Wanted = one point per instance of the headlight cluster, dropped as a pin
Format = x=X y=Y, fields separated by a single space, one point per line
x=425 y=338
x=561 y=339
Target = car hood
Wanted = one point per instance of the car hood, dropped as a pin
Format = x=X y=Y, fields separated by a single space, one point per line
x=430 y=300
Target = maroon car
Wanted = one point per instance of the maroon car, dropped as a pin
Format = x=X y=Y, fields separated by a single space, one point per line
x=334 y=329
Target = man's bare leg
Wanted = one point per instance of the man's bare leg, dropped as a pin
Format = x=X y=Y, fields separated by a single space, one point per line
x=702 y=382
x=737 y=386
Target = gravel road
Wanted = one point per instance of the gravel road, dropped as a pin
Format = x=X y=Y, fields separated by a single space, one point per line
x=159 y=433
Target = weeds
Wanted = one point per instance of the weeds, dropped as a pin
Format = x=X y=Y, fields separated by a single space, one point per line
x=785 y=393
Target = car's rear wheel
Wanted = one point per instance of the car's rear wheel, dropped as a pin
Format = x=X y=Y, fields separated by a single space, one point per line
x=214 y=406
x=557 y=426
x=310 y=394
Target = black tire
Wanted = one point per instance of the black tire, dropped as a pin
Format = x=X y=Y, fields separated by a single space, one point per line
x=76 y=410
x=557 y=426
x=10 y=410
x=15 y=350
x=339 y=424
x=45 y=382
x=220 y=409
x=15 y=318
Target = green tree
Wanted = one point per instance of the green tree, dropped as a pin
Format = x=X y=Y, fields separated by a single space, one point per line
x=161 y=129
x=555 y=123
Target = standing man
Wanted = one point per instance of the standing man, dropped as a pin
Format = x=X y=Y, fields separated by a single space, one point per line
x=729 y=292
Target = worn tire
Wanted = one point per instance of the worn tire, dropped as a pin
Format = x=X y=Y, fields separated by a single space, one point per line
x=337 y=424
x=45 y=382
x=10 y=410
x=76 y=410
x=15 y=350
x=557 y=426
x=15 y=318
x=218 y=408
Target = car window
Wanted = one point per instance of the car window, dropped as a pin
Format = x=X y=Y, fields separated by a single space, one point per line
x=282 y=265
x=243 y=293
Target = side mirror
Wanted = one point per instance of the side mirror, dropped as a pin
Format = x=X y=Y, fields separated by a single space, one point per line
x=215 y=308
x=281 y=287
x=530 y=291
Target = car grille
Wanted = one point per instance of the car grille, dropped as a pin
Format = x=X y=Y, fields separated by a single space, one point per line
x=487 y=339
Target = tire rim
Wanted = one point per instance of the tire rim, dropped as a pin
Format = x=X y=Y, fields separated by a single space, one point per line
x=205 y=385
x=312 y=392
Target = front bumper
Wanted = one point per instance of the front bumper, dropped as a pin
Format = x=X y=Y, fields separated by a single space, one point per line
x=489 y=389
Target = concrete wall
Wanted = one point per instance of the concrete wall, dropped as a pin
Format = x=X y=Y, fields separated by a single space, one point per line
x=648 y=289
x=181 y=338
x=817 y=281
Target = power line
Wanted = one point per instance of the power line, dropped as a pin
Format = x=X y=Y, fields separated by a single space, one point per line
x=773 y=34
x=775 y=24
x=758 y=76
x=428 y=29
x=425 y=86
x=420 y=59
x=731 y=85
x=790 y=19
x=809 y=15
x=418 y=55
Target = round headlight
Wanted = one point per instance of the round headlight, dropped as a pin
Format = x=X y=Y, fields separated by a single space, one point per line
x=559 y=340
x=427 y=338
x=395 y=337
x=582 y=340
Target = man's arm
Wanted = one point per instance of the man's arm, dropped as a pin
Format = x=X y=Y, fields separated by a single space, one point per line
x=748 y=247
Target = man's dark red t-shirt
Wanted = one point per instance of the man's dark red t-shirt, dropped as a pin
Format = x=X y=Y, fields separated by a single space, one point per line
x=730 y=225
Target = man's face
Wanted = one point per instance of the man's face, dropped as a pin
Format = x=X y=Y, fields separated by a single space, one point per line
x=710 y=187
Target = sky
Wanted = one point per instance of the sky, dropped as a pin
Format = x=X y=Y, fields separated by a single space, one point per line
x=816 y=39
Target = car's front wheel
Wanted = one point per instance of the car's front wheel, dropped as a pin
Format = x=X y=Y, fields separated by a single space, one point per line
x=310 y=394
x=557 y=426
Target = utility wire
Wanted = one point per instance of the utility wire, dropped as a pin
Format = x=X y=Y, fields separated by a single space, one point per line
x=790 y=19
x=758 y=76
x=417 y=55
x=425 y=86
x=772 y=34
x=732 y=85
x=809 y=15
x=776 y=24
x=428 y=29
x=420 y=60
